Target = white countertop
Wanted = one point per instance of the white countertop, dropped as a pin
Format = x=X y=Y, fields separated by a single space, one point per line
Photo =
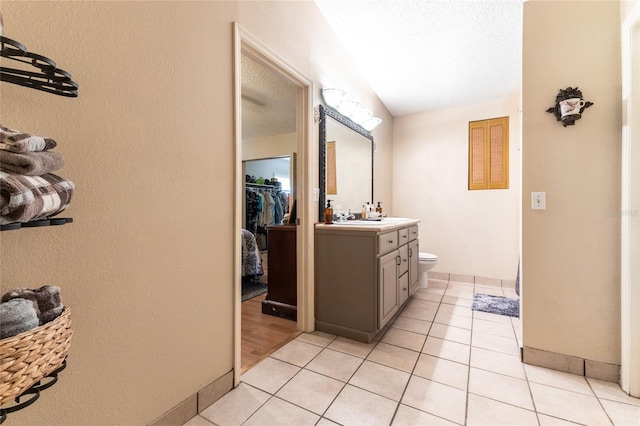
x=386 y=224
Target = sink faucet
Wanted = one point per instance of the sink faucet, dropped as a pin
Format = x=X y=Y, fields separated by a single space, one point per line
x=343 y=217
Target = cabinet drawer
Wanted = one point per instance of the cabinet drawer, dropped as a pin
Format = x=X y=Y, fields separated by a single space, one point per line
x=403 y=236
x=387 y=242
x=413 y=233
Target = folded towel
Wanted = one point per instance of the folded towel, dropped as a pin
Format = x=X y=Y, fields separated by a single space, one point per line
x=31 y=163
x=17 y=316
x=12 y=140
x=46 y=298
x=25 y=198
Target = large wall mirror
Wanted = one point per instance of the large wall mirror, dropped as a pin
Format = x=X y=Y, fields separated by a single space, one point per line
x=346 y=163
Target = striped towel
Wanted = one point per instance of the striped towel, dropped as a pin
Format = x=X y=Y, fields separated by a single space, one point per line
x=12 y=140
x=26 y=198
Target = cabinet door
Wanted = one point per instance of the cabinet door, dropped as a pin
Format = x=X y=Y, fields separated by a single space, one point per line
x=403 y=289
x=387 y=287
x=414 y=257
x=403 y=267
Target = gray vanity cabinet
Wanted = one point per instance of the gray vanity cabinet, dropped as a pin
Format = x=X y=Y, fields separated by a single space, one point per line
x=363 y=277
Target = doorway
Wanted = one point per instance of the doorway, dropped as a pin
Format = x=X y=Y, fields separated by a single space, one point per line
x=629 y=212
x=272 y=113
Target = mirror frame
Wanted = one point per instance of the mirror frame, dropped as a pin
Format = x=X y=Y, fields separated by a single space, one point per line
x=324 y=112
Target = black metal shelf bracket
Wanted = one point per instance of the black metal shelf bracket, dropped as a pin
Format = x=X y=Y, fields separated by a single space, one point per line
x=44 y=76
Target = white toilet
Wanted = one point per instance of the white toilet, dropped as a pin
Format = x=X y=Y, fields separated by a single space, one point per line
x=426 y=261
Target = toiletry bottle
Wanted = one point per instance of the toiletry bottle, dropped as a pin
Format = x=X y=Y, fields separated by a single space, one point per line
x=379 y=209
x=328 y=213
x=364 y=212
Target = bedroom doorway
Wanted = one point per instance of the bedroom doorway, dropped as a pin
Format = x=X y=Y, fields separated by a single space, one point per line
x=272 y=106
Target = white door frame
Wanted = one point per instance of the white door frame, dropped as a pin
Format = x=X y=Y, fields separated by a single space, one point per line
x=630 y=206
x=245 y=42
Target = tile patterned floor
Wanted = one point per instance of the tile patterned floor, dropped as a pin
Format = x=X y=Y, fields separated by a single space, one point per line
x=437 y=363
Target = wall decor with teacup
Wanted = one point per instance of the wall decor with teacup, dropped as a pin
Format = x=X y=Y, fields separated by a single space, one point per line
x=569 y=106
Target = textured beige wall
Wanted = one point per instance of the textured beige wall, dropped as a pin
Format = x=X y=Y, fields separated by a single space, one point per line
x=471 y=232
x=147 y=265
x=571 y=250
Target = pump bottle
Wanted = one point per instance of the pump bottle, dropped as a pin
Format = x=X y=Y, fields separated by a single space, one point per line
x=328 y=213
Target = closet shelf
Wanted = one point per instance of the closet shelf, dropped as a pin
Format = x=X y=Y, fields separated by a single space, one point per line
x=54 y=221
x=43 y=75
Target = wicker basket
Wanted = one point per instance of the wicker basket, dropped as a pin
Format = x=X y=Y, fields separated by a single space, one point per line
x=28 y=357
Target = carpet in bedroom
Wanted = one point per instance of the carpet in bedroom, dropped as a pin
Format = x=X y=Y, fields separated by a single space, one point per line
x=251 y=289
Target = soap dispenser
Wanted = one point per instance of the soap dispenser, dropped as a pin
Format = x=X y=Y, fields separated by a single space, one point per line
x=328 y=213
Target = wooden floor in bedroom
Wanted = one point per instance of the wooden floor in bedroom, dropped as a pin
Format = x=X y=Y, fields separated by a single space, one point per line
x=262 y=334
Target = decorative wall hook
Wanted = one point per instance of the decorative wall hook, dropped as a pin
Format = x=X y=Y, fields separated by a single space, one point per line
x=569 y=106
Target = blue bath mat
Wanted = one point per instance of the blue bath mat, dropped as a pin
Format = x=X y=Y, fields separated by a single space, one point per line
x=496 y=305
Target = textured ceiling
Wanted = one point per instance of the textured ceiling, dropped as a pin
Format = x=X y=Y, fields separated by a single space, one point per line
x=417 y=55
x=421 y=55
x=268 y=101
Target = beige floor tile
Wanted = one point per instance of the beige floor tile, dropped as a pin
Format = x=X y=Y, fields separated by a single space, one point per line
x=436 y=399
x=408 y=416
x=317 y=338
x=442 y=371
x=236 y=406
x=456 y=310
x=489 y=289
x=622 y=414
x=326 y=422
x=492 y=327
x=455 y=334
x=394 y=357
x=612 y=392
x=297 y=353
x=495 y=343
x=504 y=319
x=311 y=391
x=412 y=324
x=279 y=412
x=501 y=388
x=270 y=374
x=497 y=362
x=452 y=351
x=557 y=379
x=381 y=380
x=553 y=421
x=433 y=289
x=567 y=405
x=510 y=293
x=422 y=294
x=483 y=411
x=404 y=339
x=337 y=365
x=352 y=347
x=458 y=301
x=198 y=421
x=423 y=303
x=355 y=406
x=465 y=292
x=418 y=313
x=453 y=320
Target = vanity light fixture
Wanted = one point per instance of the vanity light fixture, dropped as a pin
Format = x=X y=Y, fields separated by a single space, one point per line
x=337 y=99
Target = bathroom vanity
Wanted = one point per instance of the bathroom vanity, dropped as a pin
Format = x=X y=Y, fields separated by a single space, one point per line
x=365 y=272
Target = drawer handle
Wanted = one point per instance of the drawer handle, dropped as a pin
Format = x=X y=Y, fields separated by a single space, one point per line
x=404 y=236
x=404 y=260
x=398 y=260
x=410 y=252
x=390 y=241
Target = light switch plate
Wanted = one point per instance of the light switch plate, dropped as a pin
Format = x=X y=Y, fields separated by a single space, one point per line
x=538 y=201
